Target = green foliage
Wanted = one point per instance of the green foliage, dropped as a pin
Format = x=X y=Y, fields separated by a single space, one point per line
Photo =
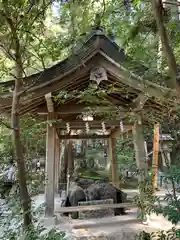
x=158 y=235
x=125 y=153
x=45 y=39
x=12 y=222
x=172 y=209
x=146 y=201
x=44 y=234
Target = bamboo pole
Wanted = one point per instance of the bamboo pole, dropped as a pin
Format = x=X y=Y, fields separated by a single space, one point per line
x=155 y=155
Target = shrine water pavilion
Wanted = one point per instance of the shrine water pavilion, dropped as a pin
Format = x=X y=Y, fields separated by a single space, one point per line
x=101 y=63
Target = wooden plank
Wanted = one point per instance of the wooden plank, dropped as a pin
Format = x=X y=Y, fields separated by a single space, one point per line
x=83 y=136
x=155 y=155
x=75 y=108
x=94 y=207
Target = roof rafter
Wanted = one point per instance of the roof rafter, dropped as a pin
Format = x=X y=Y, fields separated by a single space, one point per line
x=136 y=82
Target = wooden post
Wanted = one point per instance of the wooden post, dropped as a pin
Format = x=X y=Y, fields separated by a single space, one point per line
x=155 y=155
x=139 y=146
x=70 y=159
x=112 y=146
x=57 y=161
x=50 y=168
x=141 y=158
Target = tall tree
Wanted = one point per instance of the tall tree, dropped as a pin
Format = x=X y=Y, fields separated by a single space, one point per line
x=20 y=21
x=160 y=13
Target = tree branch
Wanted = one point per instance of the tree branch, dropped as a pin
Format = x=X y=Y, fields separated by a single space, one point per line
x=5 y=124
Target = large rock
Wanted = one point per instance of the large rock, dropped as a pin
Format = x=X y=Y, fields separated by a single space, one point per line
x=84 y=183
x=101 y=191
x=76 y=194
x=104 y=190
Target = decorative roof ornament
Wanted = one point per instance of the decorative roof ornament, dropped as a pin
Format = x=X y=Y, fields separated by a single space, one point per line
x=97 y=26
x=98 y=74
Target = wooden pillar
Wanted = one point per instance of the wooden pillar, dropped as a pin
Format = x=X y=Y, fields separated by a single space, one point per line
x=155 y=155
x=70 y=159
x=57 y=163
x=50 y=168
x=139 y=146
x=141 y=158
x=112 y=150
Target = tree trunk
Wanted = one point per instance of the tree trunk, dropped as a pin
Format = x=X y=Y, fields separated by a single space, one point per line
x=25 y=199
x=158 y=11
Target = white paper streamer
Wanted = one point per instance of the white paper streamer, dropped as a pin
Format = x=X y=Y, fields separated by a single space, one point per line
x=68 y=127
x=87 y=127
x=103 y=127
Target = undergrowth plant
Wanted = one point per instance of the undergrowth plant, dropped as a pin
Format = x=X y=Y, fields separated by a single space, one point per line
x=11 y=222
x=146 y=201
x=151 y=204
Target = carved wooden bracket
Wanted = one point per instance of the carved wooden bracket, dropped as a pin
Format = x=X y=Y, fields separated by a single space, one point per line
x=98 y=74
x=50 y=105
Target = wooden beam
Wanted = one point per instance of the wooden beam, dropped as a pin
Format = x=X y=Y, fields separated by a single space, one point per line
x=114 y=168
x=116 y=132
x=76 y=124
x=83 y=136
x=75 y=109
x=94 y=207
x=155 y=155
x=128 y=78
x=139 y=102
x=50 y=168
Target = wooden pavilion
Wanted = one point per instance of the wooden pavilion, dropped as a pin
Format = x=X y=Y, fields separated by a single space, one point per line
x=102 y=62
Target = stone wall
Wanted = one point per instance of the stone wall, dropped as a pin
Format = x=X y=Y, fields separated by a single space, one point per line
x=96 y=213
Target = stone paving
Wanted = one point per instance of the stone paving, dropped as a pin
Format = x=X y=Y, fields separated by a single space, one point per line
x=110 y=228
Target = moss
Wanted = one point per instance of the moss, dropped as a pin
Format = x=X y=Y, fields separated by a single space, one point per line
x=90 y=174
